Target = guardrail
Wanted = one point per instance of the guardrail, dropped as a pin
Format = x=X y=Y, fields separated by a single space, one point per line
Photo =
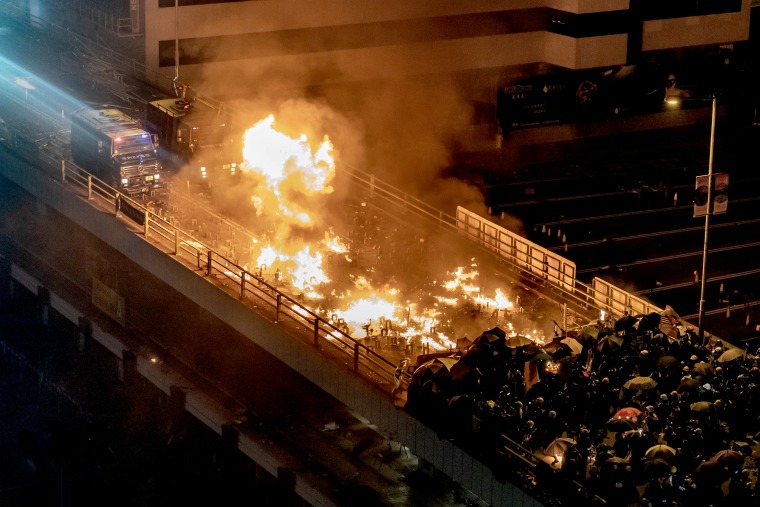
x=541 y=273
x=233 y=278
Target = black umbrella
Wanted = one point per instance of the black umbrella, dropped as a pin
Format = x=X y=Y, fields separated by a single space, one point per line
x=657 y=467
x=649 y=322
x=625 y=323
x=712 y=473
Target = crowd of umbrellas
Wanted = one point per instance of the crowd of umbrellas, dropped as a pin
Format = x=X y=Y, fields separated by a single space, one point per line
x=633 y=411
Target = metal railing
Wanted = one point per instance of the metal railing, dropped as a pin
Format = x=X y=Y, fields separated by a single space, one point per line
x=235 y=279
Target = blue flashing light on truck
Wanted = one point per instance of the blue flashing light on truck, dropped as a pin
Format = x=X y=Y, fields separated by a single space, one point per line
x=113 y=147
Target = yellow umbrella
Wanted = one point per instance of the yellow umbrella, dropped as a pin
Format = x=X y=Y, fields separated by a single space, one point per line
x=518 y=340
x=660 y=451
x=731 y=354
x=640 y=383
x=574 y=345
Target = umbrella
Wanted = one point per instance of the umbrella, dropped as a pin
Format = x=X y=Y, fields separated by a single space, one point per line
x=729 y=458
x=463 y=343
x=627 y=413
x=621 y=424
x=559 y=446
x=660 y=451
x=489 y=338
x=640 y=383
x=625 y=322
x=649 y=322
x=608 y=341
x=702 y=406
x=689 y=384
x=590 y=330
x=437 y=368
x=553 y=346
x=731 y=354
x=711 y=473
x=460 y=370
x=541 y=356
x=657 y=467
x=574 y=345
x=518 y=341
x=497 y=331
x=703 y=368
x=666 y=360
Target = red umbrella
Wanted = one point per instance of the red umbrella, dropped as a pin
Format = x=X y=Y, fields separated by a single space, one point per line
x=627 y=413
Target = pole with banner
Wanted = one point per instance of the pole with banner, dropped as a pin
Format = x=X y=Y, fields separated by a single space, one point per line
x=718 y=195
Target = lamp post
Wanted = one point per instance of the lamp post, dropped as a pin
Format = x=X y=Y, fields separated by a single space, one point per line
x=703 y=274
x=703 y=277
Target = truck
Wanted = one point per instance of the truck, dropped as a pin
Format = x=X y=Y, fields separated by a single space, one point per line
x=114 y=147
x=194 y=140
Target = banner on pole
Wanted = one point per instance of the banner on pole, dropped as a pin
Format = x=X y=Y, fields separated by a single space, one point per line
x=700 y=196
x=719 y=195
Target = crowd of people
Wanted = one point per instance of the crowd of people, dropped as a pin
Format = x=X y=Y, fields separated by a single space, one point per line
x=636 y=411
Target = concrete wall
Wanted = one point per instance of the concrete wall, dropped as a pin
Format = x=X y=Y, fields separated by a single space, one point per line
x=665 y=34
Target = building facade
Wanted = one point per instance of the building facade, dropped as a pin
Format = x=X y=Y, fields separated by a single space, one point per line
x=285 y=44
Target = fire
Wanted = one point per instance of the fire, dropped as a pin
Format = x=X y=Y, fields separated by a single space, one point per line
x=291 y=172
x=304 y=256
x=461 y=281
x=363 y=312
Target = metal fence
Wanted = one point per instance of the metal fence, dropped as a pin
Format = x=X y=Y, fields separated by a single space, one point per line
x=269 y=301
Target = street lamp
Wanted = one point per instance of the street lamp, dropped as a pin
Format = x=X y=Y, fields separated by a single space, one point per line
x=703 y=275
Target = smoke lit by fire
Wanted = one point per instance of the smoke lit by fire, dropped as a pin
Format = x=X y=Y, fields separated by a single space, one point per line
x=293 y=183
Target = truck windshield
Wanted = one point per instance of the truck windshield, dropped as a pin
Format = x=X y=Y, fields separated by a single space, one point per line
x=133 y=144
x=209 y=136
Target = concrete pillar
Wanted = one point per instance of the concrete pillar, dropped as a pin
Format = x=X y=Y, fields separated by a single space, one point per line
x=229 y=452
x=128 y=373
x=6 y=281
x=43 y=305
x=84 y=334
x=176 y=424
x=286 y=478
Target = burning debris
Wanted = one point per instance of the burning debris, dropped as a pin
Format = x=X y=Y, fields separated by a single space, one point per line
x=349 y=270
